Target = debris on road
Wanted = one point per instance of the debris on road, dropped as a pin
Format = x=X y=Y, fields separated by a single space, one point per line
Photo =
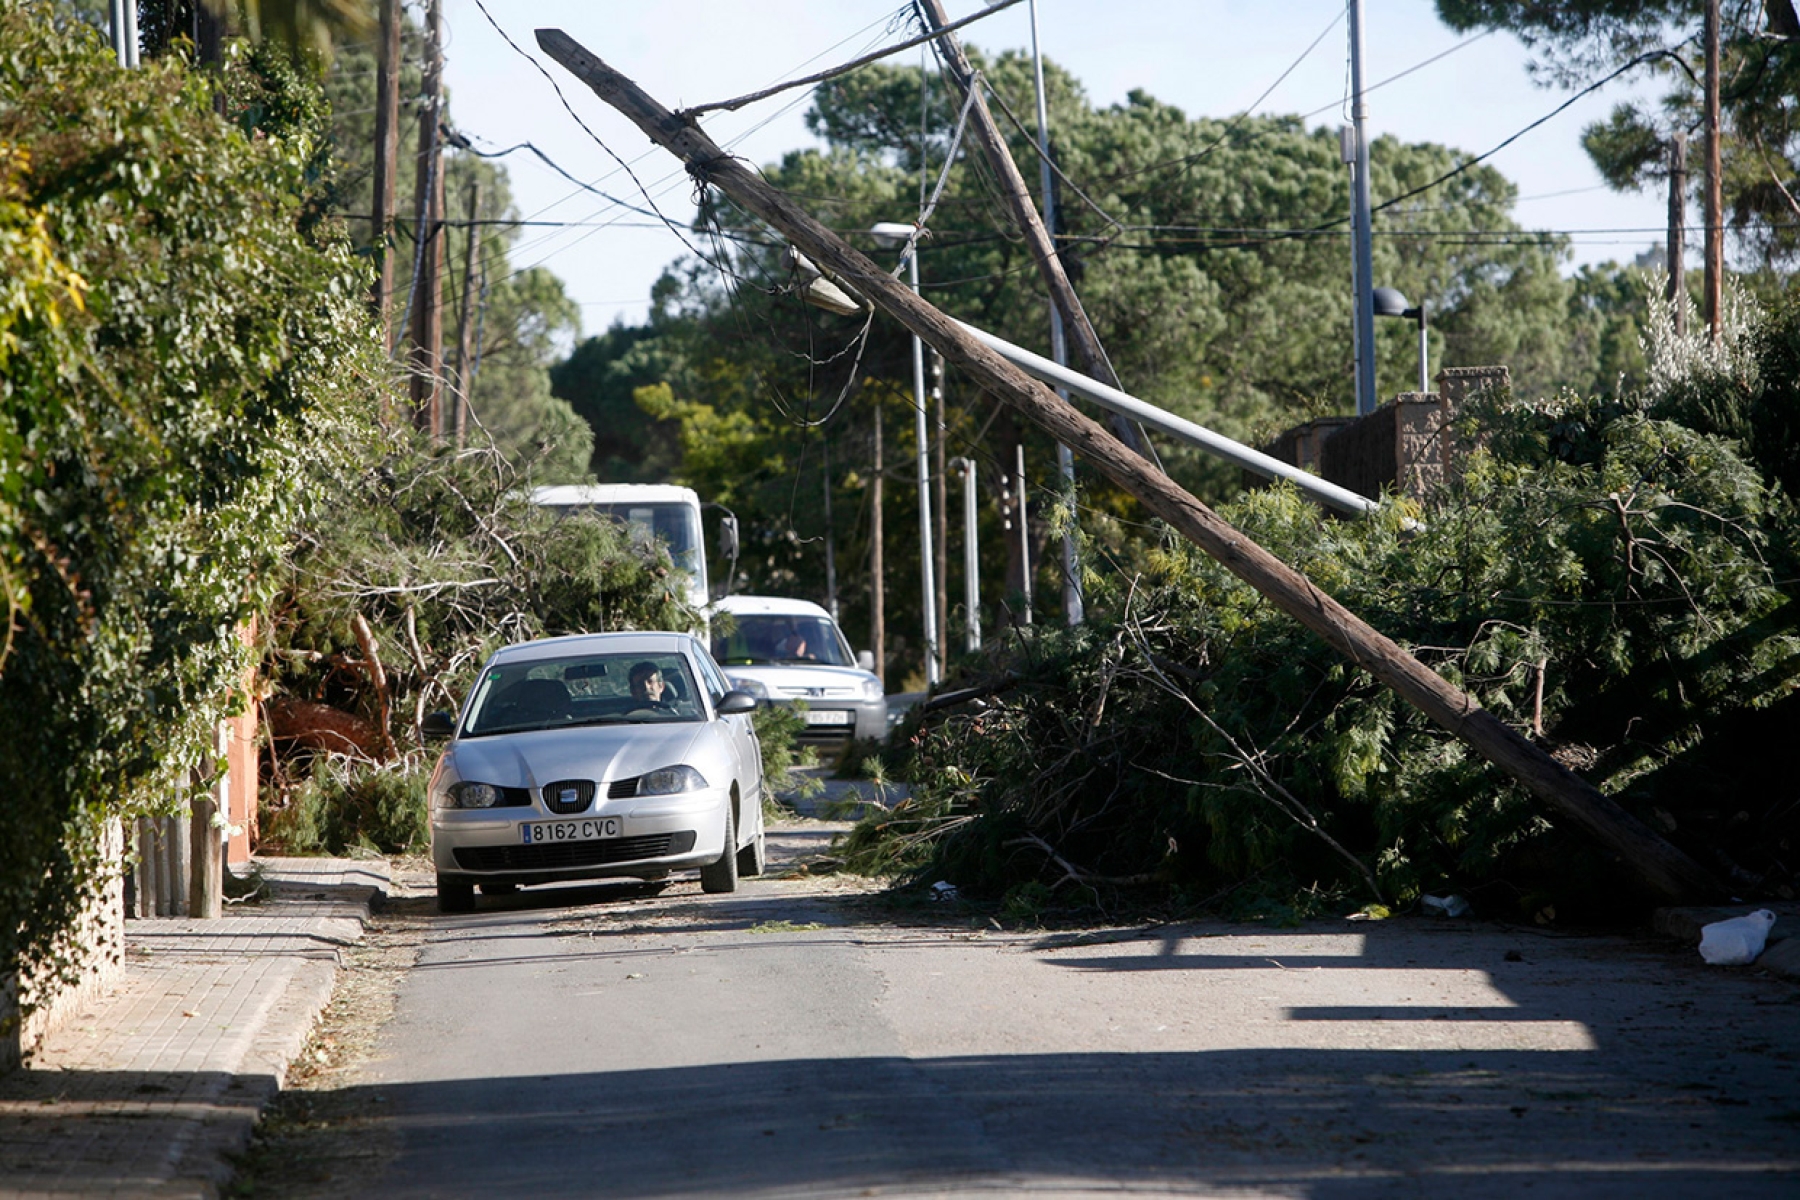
x=1738 y=941
x=1444 y=906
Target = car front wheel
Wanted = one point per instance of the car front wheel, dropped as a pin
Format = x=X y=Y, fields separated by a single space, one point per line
x=722 y=876
x=455 y=897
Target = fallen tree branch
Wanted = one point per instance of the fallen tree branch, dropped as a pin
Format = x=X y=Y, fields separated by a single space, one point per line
x=1073 y=873
x=1664 y=869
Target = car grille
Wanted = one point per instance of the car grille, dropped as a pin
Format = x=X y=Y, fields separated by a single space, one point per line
x=552 y=856
x=623 y=789
x=580 y=794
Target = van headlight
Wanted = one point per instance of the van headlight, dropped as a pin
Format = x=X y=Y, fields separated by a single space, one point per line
x=871 y=689
x=754 y=687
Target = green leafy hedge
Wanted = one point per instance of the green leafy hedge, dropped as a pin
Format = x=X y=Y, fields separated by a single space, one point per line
x=179 y=351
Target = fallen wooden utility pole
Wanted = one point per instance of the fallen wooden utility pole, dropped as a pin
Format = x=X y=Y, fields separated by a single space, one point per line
x=1017 y=198
x=1664 y=868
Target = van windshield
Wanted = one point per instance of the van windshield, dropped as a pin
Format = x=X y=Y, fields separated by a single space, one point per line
x=781 y=638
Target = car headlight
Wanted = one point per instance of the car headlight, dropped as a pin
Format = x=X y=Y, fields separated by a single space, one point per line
x=754 y=687
x=667 y=781
x=871 y=689
x=473 y=795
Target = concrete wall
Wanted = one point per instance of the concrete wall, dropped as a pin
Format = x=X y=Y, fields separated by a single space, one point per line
x=1407 y=445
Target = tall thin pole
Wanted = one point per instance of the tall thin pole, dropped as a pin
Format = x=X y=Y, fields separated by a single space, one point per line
x=971 y=557
x=831 y=596
x=877 y=580
x=1074 y=611
x=940 y=499
x=928 y=585
x=387 y=159
x=465 y=321
x=1024 y=529
x=1362 y=298
x=1715 y=232
x=1676 y=290
x=427 y=302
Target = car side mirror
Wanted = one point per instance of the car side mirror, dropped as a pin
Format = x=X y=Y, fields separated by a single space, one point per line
x=438 y=725
x=866 y=660
x=734 y=702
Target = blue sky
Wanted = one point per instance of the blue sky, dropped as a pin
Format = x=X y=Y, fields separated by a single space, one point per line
x=1207 y=57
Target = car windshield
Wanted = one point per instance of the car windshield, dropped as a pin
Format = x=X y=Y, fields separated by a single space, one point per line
x=588 y=689
x=780 y=638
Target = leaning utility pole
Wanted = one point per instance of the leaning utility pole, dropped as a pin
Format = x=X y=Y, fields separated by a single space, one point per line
x=1664 y=868
x=1715 y=218
x=387 y=159
x=427 y=355
x=1017 y=198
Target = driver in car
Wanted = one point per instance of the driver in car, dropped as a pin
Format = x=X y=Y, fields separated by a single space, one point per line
x=647 y=688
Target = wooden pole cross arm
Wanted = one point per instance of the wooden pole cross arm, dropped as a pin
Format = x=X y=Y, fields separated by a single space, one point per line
x=1665 y=869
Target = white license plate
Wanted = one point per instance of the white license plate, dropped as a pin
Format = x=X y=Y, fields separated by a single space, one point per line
x=815 y=717
x=588 y=829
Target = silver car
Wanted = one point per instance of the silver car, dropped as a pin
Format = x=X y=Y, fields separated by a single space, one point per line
x=601 y=755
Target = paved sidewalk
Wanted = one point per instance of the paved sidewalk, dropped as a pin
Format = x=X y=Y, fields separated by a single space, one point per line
x=148 y=1089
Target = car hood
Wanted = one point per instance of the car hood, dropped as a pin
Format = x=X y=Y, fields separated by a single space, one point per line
x=599 y=752
x=779 y=678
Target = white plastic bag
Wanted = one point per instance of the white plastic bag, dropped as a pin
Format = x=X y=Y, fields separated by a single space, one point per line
x=1738 y=941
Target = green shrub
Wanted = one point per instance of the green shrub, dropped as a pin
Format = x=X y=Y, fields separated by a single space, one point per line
x=1615 y=583
x=349 y=804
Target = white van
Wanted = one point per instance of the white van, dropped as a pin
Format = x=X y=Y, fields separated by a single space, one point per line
x=650 y=512
x=791 y=651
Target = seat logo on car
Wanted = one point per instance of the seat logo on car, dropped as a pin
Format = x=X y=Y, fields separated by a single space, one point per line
x=568 y=795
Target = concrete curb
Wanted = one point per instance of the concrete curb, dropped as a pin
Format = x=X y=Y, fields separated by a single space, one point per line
x=1782 y=957
x=153 y=1086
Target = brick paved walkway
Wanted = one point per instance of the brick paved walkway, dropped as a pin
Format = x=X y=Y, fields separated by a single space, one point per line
x=147 y=1090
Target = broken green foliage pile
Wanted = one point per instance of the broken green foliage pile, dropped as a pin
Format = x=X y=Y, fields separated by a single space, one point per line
x=1613 y=575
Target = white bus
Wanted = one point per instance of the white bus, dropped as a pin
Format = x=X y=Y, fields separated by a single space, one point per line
x=649 y=511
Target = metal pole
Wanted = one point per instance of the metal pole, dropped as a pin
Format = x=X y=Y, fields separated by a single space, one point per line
x=1113 y=400
x=1024 y=531
x=928 y=584
x=1364 y=304
x=116 y=27
x=971 y=555
x=1713 y=280
x=831 y=595
x=1073 y=608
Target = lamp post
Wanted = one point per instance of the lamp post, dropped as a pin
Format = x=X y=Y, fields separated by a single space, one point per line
x=971 y=555
x=893 y=233
x=1389 y=302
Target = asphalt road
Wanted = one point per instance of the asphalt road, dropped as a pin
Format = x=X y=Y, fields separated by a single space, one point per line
x=793 y=1040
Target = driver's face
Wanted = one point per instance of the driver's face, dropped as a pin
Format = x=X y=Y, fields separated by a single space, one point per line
x=650 y=687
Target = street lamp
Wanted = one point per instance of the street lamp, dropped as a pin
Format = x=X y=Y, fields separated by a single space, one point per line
x=1389 y=302
x=893 y=233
